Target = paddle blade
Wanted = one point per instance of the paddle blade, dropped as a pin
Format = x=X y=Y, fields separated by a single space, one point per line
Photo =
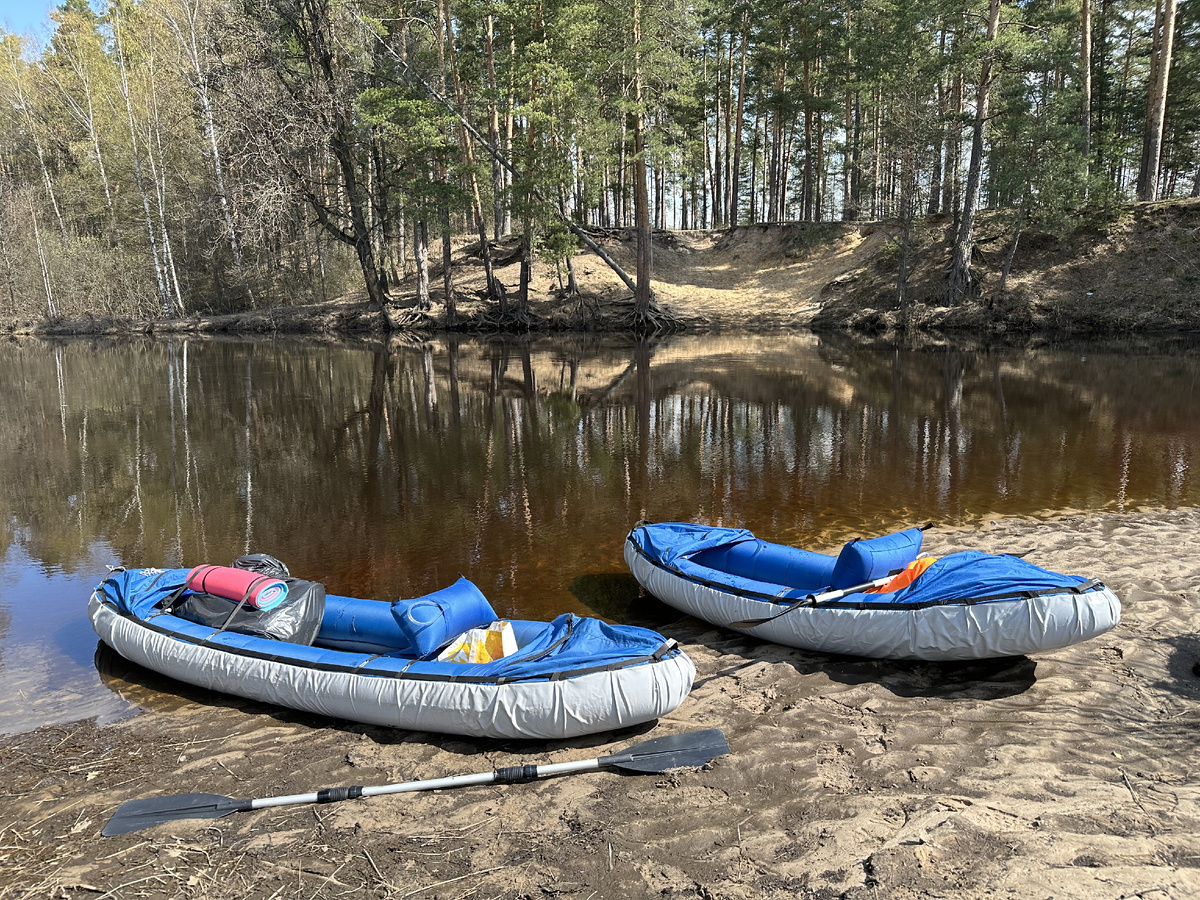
x=134 y=815
x=674 y=751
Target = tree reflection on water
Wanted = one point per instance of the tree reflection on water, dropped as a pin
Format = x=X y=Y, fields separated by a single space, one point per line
x=521 y=464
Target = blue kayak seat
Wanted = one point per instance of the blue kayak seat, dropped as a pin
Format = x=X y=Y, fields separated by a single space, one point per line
x=866 y=560
x=431 y=622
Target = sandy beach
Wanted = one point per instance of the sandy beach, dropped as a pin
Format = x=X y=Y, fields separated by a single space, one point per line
x=1072 y=774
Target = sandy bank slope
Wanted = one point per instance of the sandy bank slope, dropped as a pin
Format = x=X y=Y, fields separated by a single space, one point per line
x=1072 y=774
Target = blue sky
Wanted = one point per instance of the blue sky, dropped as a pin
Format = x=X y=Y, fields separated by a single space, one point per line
x=30 y=17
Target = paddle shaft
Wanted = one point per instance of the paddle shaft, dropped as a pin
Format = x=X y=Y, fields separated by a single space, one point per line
x=509 y=775
x=814 y=599
x=857 y=589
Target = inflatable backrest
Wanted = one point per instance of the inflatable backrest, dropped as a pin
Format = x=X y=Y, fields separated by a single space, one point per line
x=771 y=563
x=865 y=560
x=429 y=623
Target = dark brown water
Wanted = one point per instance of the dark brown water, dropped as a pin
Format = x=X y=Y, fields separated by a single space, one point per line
x=522 y=465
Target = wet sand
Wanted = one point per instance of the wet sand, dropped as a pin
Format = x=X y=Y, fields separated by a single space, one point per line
x=1071 y=774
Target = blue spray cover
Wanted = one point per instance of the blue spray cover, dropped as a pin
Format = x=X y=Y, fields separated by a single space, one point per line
x=432 y=621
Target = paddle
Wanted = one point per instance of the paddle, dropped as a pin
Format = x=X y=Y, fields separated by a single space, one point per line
x=657 y=755
x=814 y=599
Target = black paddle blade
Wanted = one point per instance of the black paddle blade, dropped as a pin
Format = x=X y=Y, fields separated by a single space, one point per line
x=134 y=815
x=674 y=751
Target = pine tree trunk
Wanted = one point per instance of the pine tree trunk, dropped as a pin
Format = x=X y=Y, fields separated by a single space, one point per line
x=853 y=208
x=754 y=206
x=876 y=153
x=939 y=148
x=1118 y=163
x=962 y=284
x=485 y=250
x=510 y=103
x=498 y=204
x=951 y=195
x=1085 y=72
x=906 y=217
x=448 y=268
x=1156 y=104
x=620 y=204
x=718 y=194
x=808 y=193
x=526 y=268
x=819 y=166
x=339 y=144
x=735 y=181
x=643 y=295
x=1100 y=122
x=848 y=130
x=730 y=187
x=705 y=164
x=444 y=33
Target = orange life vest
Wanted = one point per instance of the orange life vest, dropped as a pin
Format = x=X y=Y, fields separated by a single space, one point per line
x=910 y=574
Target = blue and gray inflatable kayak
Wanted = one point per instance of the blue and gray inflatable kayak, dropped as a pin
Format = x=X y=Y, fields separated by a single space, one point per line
x=967 y=605
x=375 y=662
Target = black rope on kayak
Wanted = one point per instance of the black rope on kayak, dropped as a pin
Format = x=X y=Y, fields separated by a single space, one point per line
x=241 y=603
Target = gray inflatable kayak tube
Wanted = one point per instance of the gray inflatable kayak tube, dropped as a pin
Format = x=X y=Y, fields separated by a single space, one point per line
x=562 y=705
x=1011 y=627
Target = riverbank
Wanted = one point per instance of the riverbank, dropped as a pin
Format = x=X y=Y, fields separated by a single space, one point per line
x=1134 y=271
x=756 y=278
x=1071 y=774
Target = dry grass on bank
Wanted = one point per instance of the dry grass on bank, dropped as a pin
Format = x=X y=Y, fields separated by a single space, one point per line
x=1136 y=270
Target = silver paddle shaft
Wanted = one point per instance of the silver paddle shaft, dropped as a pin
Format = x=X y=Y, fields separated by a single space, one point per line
x=331 y=795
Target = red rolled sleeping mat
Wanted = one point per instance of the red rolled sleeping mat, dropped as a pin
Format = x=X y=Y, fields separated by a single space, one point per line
x=260 y=591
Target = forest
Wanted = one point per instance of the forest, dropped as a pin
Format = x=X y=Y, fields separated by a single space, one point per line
x=163 y=158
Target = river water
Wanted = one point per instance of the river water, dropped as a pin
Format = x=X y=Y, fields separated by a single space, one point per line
x=522 y=464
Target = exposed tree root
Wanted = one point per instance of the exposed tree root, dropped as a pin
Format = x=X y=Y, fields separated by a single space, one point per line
x=578 y=313
x=655 y=320
x=514 y=319
x=410 y=319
